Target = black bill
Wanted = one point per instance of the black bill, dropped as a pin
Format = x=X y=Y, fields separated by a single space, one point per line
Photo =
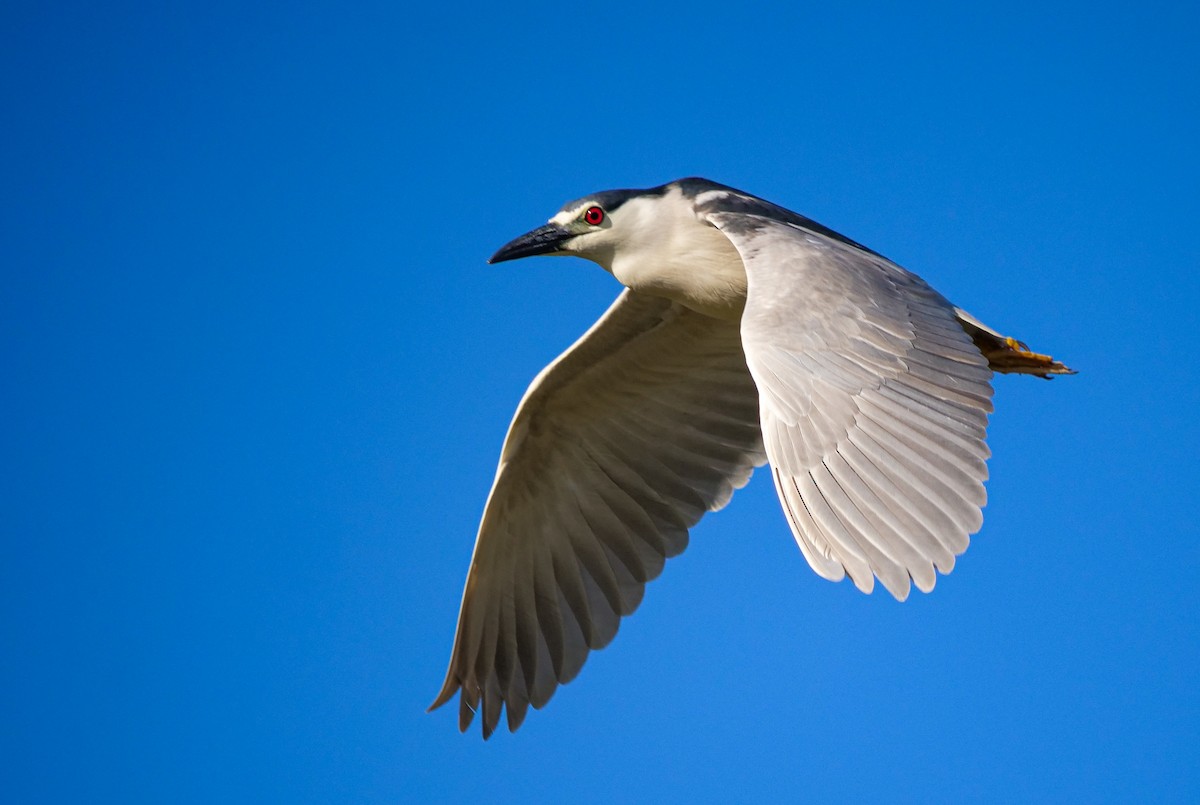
x=543 y=240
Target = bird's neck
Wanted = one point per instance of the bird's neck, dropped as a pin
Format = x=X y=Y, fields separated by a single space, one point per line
x=684 y=259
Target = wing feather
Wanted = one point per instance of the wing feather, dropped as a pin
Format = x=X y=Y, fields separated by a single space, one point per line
x=617 y=449
x=873 y=402
x=812 y=541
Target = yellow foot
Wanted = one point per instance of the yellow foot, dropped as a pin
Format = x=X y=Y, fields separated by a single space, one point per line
x=1026 y=361
x=1023 y=348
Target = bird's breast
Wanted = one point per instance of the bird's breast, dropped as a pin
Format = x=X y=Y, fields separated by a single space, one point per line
x=701 y=271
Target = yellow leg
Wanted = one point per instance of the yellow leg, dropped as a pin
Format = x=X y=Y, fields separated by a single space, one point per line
x=1023 y=348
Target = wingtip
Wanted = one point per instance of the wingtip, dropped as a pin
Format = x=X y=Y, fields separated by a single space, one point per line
x=449 y=688
x=902 y=591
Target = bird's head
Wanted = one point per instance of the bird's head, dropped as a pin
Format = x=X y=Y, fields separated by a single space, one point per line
x=655 y=241
x=593 y=227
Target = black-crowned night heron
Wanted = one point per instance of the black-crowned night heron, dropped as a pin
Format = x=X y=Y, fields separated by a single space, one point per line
x=747 y=334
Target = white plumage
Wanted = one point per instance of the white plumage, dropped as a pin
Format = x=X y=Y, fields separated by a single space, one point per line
x=747 y=333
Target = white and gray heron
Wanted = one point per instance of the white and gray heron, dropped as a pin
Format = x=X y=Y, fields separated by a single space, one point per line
x=746 y=334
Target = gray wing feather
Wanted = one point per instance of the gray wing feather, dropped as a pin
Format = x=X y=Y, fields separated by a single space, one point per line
x=616 y=450
x=874 y=404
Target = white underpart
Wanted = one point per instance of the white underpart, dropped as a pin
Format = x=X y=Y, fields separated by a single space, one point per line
x=658 y=246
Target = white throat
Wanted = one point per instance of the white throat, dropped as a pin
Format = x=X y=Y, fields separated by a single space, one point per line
x=665 y=250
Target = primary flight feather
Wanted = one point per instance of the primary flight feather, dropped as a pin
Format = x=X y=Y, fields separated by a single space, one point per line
x=746 y=334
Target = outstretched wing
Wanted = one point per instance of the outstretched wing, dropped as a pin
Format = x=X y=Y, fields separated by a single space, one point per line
x=874 y=404
x=618 y=447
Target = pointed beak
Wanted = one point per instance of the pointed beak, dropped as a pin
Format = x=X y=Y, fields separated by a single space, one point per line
x=546 y=239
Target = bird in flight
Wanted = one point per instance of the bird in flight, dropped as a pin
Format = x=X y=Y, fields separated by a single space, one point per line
x=746 y=335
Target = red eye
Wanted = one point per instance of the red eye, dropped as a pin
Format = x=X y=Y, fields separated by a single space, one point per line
x=594 y=216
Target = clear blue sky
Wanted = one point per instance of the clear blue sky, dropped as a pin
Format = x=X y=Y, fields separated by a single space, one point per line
x=256 y=374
